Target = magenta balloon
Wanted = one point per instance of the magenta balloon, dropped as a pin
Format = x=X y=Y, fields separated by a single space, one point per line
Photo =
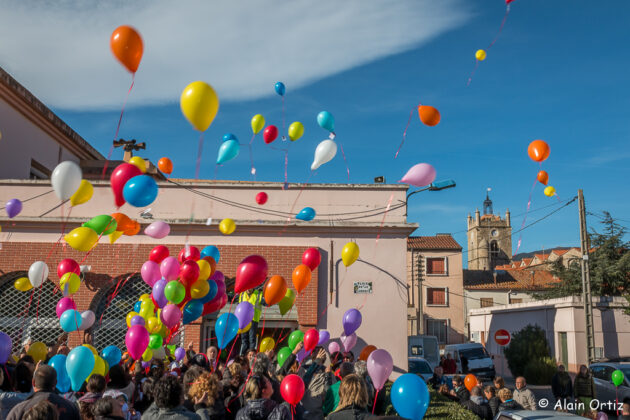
x=351 y=321
x=379 y=366
x=218 y=276
x=150 y=272
x=220 y=287
x=169 y=268
x=137 y=340
x=171 y=314
x=419 y=175
x=333 y=347
x=324 y=336
x=64 y=304
x=245 y=313
x=348 y=341
x=158 y=230
x=158 y=293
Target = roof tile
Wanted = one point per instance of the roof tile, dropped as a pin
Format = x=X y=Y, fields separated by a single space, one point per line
x=433 y=242
x=510 y=279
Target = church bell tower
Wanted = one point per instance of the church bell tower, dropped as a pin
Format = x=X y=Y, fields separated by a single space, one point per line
x=489 y=238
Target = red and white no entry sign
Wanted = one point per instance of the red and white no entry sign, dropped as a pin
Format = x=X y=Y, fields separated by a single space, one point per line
x=502 y=337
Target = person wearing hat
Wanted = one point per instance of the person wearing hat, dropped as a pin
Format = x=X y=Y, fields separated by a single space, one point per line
x=121 y=398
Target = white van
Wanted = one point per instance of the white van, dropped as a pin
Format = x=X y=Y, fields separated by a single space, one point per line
x=425 y=347
x=475 y=358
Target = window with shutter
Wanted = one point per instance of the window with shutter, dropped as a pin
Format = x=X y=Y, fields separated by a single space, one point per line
x=436 y=265
x=436 y=296
x=486 y=302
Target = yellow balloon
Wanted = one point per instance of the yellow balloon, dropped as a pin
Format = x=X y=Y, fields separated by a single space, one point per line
x=37 y=351
x=258 y=122
x=200 y=104
x=204 y=270
x=349 y=253
x=147 y=355
x=139 y=163
x=153 y=325
x=550 y=191
x=113 y=237
x=82 y=239
x=145 y=296
x=83 y=193
x=130 y=315
x=147 y=304
x=296 y=130
x=199 y=289
x=267 y=343
x=480 y=55
x=71 y=281
x=146 y=313
x=227 y=226
x=247 y=328
x=23 y=284
x=92 y=349
x=163 y=331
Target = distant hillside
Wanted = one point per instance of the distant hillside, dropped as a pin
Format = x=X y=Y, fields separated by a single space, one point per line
x=522 y=255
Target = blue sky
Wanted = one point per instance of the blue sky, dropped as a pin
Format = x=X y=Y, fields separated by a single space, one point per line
x=558 y=72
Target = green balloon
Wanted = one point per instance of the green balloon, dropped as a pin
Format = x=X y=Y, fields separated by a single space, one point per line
x=617 y=377
x=155 y=341
x=283 y=354
x=171 y=348
x=295 y=338
x=103 y=224
x=287 y=301
x=174 y=292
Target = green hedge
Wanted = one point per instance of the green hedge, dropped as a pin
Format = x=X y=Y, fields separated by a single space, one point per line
x=441 y=407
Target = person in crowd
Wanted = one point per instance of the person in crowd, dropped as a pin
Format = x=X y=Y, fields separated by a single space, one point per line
x=331 y=400
x=205 y=392
x=442 y=361
x=248 y=339
x=450 y=366
x=499 y=383
x=360 y=368
x=478 y=405
x=348 y=357
x=231 y=389
x=625 y=410
x=459 y=390
x=189 y=379
x=317 y=380
x=445 y=391
x=212 y=353
x=43 y=410
x=584 y=389
x=562 y=387
x=464 y=361
x=168 y=400
x=438 y=379
x=523 y=396
x=262 y=367
x=353 y=400
x=251 y=356
x=258 y=402
x=120 y=380
x=95 y=388
x=493 y=401
x=108 y=408
x=19 y=387
x=507 y=400
x=145 y=396
x=121 y=398
x=44 y=382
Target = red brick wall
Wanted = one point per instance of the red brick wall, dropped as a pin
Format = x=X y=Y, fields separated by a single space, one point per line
x=110 y=261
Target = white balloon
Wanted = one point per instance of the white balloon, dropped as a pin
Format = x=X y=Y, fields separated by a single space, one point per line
x=66 y=179
x=37 y=273
x=325 y=151
x=159 y=353
x=87 y=319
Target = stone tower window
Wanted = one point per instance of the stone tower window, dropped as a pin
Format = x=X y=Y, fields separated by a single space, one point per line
x=494 y=252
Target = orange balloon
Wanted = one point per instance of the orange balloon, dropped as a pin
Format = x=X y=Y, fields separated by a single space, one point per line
x=123 y=222
x=538 y=150
x=543 y=177
x=133 y=230
x=213 y=264
x=275 y=290
x=301 y=277
x=470 y=381
x=127 y=47
x=165 y=165
x=429 y=115
x=365 y=353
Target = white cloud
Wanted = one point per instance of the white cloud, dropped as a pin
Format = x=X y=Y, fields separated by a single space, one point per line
x=60 y=49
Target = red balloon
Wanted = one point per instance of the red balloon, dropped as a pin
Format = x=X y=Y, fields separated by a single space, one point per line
x=189 y=272
x=311 y=337
x=123 y=173
x=270 y=133
x=292 y=389
x=543 y=177
x=159 y=253
x=215 y=304
x=68 y=266
x=192 y=254
x=251 y=272
x=261 y=198
x=311 y=258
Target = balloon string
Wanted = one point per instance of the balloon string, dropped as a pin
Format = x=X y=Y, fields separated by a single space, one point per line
x=375 y=398
x=199 y=150
x=472 y=73
x=216 y=362
x=283 y=114
x=529 y=203
x=227 y=359
x=251 y=157
x=507 y=11
x=380 y=229
x=111 y=149
x=262 y=331
x=405 y=132
x=345 y=161
x=293 y=205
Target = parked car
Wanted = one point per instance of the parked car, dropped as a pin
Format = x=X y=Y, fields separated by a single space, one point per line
x=604 y=387
x=538 y=415
x=420 y=366
x=475 y=358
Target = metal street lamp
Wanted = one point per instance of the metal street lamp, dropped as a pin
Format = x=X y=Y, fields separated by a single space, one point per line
x=436 y=186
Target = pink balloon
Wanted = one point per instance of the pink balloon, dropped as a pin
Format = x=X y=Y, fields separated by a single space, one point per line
x=169 y=268
x=64 y=304
x=158 y=230
x=137 y=340
x=150 y=272
x=348 y=341
x=171 y=314
x=379 y=366
x=419 y=175
x=333 y=347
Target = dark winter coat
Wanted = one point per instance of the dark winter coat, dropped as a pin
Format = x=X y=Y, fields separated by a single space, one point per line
x=67 y=410
x=211 y=412
x=561 y=385
x=462 y=393
x=583 y=386
x=509 y=405
x=177 y=413
x=256 y=409
x=482 y=410
x=494 y=404
x=351 y=412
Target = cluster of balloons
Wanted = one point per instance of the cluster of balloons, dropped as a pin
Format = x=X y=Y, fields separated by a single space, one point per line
x=538 y=151
x=130 y=184
x=326 y=149
x=70 y=319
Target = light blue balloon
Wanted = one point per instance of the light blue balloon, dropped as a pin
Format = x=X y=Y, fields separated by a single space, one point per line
x=306 y=214
x=211 y=251
x=280 y=88
x=228 y=151
x=70 y=320
x=229 y=136
x=226 y=329
x=58 y=362
x=192 y=311
x=79 y=365
x=112 y=355
x=410 y=396
x=212 y=292
x=326 y=121
x=140 y=191
x=137 y=306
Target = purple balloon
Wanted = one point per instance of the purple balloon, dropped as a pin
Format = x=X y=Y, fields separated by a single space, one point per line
x=137 y=320
x=5 y=347
x=348 y=341
x=158 y=293
x=302 y=354
x=379 y=366
x=217 y=275
x=146 y=364
x=13 y=207
x=324 y=336
x=245 y=313
x=179 y=353
x=351 y=321
x=419 y=175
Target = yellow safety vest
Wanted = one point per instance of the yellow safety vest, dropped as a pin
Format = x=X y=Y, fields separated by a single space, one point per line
x=255 y=299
